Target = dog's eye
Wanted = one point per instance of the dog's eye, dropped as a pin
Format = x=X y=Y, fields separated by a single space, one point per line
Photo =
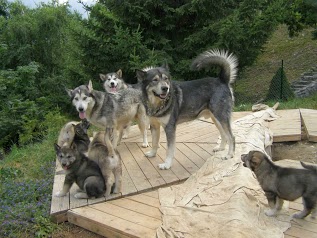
x=84 y=98
x=155 y=80
x=76 y=99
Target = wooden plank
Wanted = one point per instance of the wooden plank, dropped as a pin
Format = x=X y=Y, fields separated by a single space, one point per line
x=309 y=118
x=107 y=225
x=59 y=205
x=299 y=232
x=146 y=166
x=287 y=127
x=128 y=215
x=137 y=207
x=153 y=194
x=167 y=174
x=193 y=133
x=198 y=150
x=177 y=168
x=128 y=186
x=133 y=169
x=183 y=160
x=195 y=158
x=154 y=202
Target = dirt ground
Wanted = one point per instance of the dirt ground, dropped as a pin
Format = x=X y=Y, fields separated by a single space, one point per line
x=302 y=150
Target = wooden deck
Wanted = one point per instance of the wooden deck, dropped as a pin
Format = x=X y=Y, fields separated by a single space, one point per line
x=138 y=207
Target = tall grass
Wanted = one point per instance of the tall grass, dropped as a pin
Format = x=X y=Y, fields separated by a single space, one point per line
x=26 y=176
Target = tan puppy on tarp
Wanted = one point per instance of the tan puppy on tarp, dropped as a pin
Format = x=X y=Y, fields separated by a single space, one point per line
x=109 y=161
x=280 y=183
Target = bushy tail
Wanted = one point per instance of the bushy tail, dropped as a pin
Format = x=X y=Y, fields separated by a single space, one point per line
x=227 y=62
x=310 y=167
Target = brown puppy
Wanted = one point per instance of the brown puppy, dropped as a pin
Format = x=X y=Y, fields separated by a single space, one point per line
x=281 y=183
x=109 y=161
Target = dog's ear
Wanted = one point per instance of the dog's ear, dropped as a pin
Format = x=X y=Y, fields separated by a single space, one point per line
x=69 y=92
x=141 y=75
x=90 y=88
x=103 y=77
x=165 y=66
x=119 y=73
x=256 y=160
x=57 y=148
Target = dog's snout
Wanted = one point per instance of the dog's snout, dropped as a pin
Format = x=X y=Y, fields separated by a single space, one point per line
x=112 y=83
x=164 y=89
x=80 y=109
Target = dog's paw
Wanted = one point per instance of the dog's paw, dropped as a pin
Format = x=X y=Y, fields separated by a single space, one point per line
x=270 y=212
x=145 y=145
x=164 y=166
x=218 y=148
x=298 y=215
x=150 y=153
x=81 y=195
x=60 y=194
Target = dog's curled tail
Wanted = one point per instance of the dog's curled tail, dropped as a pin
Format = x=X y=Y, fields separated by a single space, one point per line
x=310 y=167
x=227 y=62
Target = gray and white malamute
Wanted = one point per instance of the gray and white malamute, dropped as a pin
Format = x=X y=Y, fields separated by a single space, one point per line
x=82 y=171
x=114 y=83
x=110 y=111
x=169 y=103
x=109 y=161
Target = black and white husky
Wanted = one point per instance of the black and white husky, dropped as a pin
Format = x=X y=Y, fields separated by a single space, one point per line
x=169 y=103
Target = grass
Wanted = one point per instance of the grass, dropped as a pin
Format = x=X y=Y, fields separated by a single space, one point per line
x=27 y=173
x=299 y=55
x=26 y=177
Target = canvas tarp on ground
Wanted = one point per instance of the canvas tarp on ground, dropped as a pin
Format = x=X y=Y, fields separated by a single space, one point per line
x=224 y=199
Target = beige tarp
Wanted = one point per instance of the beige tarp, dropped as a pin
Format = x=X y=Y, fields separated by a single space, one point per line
x=223 y=199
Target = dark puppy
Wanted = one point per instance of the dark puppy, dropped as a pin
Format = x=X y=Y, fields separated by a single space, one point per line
x=81 y=139
x=82 y=171
x=281 y=183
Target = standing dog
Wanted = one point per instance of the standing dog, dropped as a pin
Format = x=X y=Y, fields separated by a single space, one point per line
x=109 y=111
x=80 y=170
x=169 y=103
x=281 y=183
x=114 y=83
x=109 y=161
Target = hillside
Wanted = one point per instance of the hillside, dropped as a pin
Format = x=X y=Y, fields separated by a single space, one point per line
x=298 y=53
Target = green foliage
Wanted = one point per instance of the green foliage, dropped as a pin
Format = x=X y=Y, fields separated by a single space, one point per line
x=300 y=14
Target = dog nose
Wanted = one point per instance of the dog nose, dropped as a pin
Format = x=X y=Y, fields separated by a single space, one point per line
x=164 y=89
x=112 y=83
x=64 y=164
x=80 y=109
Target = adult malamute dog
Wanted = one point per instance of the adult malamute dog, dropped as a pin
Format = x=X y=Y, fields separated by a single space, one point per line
x=109 y=111
x=80 y=170
x=113 y=82
x=109 y=161
x=169 y=103
x=280 y=183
